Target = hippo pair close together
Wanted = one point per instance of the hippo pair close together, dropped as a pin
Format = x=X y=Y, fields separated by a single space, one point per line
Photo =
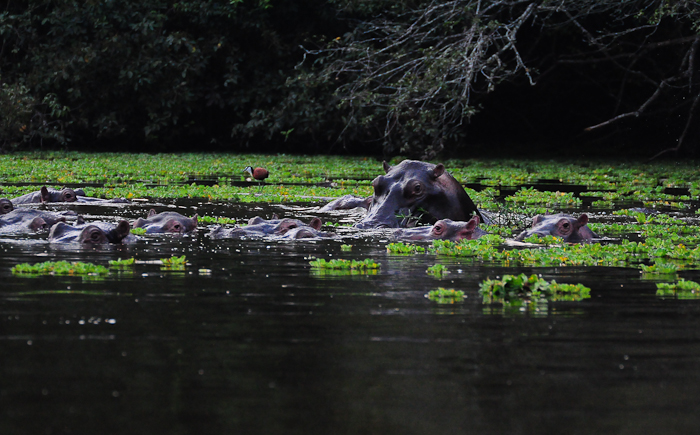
x=413 y=187
x=104 y=232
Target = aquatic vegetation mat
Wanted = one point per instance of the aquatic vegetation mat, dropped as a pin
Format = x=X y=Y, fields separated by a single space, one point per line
x=77 y=268
x=530 y=288
x=446 y=296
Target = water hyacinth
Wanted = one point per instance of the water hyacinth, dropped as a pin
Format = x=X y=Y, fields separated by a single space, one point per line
x=445 y=296
x=530 y=288
x=340 y=263
x=682 y=289
x=59 y=268
x=404 y=248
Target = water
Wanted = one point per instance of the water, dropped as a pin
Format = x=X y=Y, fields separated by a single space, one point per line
x=247 y=339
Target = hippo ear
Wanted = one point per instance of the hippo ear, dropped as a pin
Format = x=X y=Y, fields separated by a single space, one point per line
x=37 y=223
x=537 y=219
x=79 y=221
x=582 y=220
x=151 y=213
x=194 y=220
x=45 y=195
x=438 y=170
x=473 y=223
x=255 y=220
x=274 y=216
x=387 y=167
x=122 y=230
x=316 y=223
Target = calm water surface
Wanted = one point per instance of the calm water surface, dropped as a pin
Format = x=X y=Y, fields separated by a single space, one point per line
x=247 y=339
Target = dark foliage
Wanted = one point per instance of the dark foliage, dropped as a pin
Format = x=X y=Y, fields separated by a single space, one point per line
x=416 y=77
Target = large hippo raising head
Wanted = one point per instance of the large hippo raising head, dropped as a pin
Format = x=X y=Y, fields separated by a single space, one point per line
x=411 y=185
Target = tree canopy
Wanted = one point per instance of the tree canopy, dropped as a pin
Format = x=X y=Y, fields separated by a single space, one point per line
x=412 y=77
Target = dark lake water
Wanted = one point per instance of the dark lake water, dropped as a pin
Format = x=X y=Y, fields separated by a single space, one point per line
x=247 y=339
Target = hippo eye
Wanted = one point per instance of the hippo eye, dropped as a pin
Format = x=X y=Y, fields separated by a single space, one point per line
x=176 y=227
x=438 y=228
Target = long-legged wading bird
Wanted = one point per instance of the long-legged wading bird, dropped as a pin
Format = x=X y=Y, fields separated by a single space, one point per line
x=259 y=174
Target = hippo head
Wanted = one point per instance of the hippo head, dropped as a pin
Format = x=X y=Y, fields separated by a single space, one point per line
x=447 y=229
x=5 y=206
x=64 y=195
x=89 y=234
x=567 y=227
x=166 y=222
x=403 y=189
x=288 y=224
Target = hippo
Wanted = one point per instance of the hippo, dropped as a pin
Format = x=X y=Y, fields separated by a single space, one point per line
x=5 y=206
x=166 y=222
x=46 y=195
x=561 y=225
x=347 y=202
x=82 y=198
x=258 y=227
x=95 y=233
x=28 y=220
x=411 y=185
x=303 y=232
x=444 y=229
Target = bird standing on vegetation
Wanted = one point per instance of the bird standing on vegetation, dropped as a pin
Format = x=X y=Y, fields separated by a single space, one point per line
x=259 y=174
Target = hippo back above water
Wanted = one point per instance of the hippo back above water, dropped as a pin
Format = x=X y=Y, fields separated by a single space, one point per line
x=561 y=225
x=411 y=185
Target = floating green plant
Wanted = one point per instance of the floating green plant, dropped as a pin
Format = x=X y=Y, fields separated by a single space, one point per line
x=138 y=231
x=217 y=220
x=446 y=296
x=346 y=248
x=60 y=268
x=343 y=267
x=659 y=269
x=682 y=289
x=530 y=288
x=544 y=240
x=343 y=264
x=175 y=262
x=404 y=248
x=437 y=270
x=122 y=264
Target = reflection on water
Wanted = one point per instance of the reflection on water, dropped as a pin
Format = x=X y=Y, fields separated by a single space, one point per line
x=247 y=339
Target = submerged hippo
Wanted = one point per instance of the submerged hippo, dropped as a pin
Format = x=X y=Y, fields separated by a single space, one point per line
x=258 y=227
x=5 y=206
x=95 y=233
x=411 y=185
x=47 y=195
x=28 y=220
x=347 y=202
x=82 y=198
x=444 y=229
x=166 y=222
x=561 y=225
